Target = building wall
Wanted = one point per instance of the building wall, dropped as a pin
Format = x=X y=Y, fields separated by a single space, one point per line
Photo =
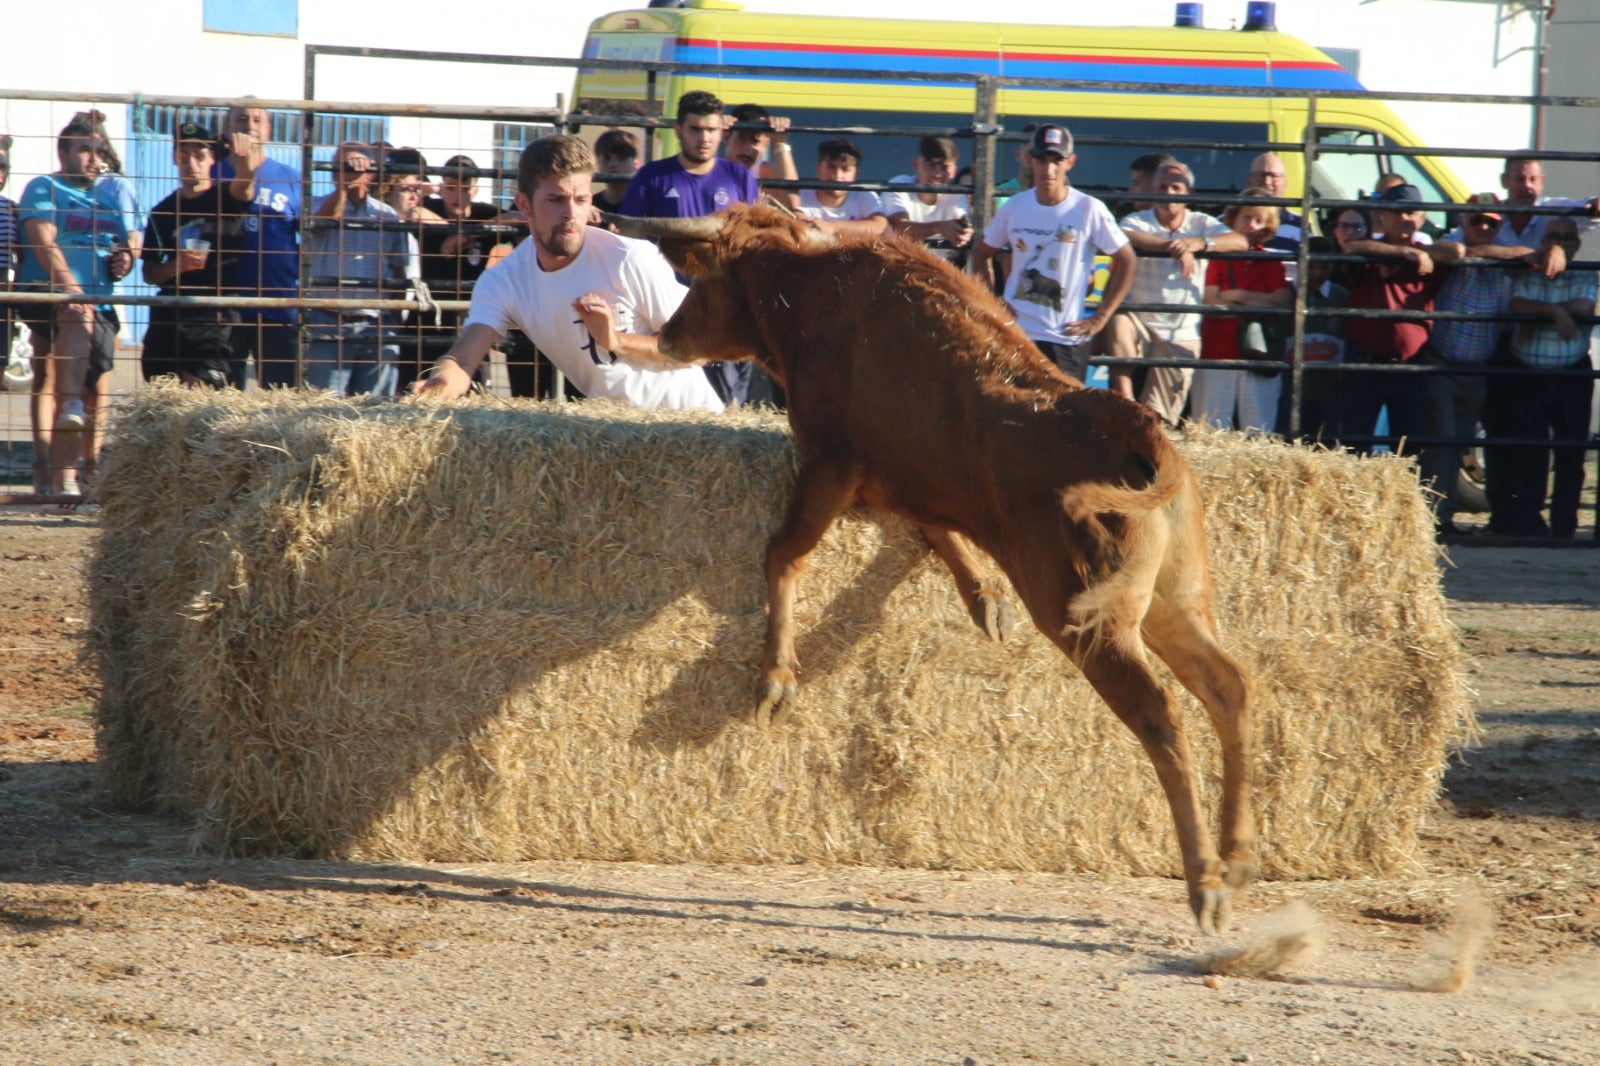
x=160 y=47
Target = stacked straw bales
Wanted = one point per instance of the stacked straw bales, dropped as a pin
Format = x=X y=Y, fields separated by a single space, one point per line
x=505 y=631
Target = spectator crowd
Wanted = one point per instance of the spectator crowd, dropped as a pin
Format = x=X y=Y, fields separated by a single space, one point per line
x=1155 y=281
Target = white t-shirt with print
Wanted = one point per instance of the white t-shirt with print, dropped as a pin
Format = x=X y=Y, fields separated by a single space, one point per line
x=1052 y=258
x=858 y=204
x=637 y=282
x=1160 y=279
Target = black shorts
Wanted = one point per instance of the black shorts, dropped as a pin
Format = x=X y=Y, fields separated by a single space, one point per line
x=41 y=322
x=199 y=343
x=1073 y=359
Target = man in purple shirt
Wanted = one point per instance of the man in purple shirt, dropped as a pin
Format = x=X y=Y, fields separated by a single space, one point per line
x=693 y=183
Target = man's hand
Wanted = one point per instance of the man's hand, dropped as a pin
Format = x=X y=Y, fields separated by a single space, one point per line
x=1423 y=261
x=1179 y=249
x=598 y=319
x=1564 y=324
x=958 y=231
x=457 y=244
x=779 y=124
x=1087 y=327
x=244 y=152
x=445 y=381
x=120 y=263
x=1554 y=261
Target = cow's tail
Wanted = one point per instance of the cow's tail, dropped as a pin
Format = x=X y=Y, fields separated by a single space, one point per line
x=1129 y=535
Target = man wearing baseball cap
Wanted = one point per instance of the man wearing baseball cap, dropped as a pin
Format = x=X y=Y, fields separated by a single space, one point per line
x=1053 y=232
x=189 y=239
x=1404 y=280
x=1454 y=402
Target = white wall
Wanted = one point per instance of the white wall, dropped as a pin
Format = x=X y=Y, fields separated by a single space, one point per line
x=158 y=47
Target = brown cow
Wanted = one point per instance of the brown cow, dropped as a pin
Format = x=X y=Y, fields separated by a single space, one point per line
x=911 y=389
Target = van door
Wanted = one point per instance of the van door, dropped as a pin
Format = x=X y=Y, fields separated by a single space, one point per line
x=1345 y=175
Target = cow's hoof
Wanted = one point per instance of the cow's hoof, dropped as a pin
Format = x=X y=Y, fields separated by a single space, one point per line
x=776 y=693
x=1212 y=909
x=999 y=617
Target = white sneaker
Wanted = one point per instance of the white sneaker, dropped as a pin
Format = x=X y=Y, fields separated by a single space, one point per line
x=69 y=487
x=70 y=418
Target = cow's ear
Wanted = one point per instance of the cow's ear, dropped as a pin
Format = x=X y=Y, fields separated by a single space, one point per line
x=690 y=257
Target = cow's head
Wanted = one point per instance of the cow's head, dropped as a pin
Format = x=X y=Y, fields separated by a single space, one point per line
x=722 y=255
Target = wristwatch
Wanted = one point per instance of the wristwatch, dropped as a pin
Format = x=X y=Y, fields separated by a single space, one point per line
x=1207 y=240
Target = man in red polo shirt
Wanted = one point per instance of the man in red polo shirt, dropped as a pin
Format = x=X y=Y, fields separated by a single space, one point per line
x=1404 y=281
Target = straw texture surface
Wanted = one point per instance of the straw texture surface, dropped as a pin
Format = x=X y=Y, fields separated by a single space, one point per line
x=504 y=631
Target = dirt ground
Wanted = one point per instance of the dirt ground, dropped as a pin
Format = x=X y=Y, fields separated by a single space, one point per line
x=120 y=945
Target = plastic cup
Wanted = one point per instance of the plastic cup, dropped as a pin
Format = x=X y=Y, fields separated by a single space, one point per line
x=195 y=244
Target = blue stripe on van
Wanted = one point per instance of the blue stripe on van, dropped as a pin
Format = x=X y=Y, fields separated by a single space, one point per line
x=1170 y=72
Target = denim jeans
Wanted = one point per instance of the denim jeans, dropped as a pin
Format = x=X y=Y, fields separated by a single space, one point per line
x=358 y=362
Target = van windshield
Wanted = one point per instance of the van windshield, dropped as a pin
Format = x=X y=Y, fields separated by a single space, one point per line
x=1218 y=158
x=1344 y=175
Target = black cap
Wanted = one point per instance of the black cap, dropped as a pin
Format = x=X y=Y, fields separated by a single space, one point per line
x=193 y=131
x=1051 y=139
x=1400 y=194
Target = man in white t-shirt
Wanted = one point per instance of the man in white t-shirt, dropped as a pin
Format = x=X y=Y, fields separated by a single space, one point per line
x=1054 y=232
x=591 y=301
x=1171 y=236
x=847 y=212
x=939 y=220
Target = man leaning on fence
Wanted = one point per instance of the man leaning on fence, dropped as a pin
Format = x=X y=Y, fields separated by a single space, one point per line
x=269 y=258
x=1454 y=402
x=1054 y=233
x=1547 y=406
x=1171 y=235
x=1402 y=278
x=359 y=251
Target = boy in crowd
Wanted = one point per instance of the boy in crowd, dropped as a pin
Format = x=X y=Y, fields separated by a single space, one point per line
x=848 y=212
x=939 y=220
x=190 y=239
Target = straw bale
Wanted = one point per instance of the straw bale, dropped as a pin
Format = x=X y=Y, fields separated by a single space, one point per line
x=506 y=631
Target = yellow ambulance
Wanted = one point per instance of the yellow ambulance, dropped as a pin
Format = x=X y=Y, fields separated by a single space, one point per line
x=816 y=55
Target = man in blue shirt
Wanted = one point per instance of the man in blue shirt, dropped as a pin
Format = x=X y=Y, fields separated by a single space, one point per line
x=693 y=183
x=269 y=262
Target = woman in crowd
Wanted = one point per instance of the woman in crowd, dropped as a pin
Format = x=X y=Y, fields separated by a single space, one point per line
x=1246 y=399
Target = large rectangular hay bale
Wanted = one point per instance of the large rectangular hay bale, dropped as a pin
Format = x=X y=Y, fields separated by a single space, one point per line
x=511 y=631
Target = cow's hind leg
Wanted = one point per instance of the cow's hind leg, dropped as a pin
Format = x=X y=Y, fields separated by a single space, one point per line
x=1184 y=635
x=988 y=607
x=822 y=490
x=1115 y=665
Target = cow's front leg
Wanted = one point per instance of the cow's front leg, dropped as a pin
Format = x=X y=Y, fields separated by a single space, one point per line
x=823 y=489
x=985 y=602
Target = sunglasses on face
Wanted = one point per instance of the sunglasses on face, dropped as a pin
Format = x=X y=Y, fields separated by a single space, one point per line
x=355 y=168
x=1482 y=220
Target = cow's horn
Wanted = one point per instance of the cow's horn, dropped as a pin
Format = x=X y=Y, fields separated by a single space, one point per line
x=705 y=228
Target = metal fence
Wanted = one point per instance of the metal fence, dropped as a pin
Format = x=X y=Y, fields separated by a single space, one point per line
x=306 y=132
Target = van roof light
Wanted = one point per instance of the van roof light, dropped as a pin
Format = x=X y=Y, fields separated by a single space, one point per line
x=1261 y=15
x=1190 y=15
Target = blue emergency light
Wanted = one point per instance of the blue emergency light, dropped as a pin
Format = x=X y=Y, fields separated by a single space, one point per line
x=1261 y=15
x=1190 y=15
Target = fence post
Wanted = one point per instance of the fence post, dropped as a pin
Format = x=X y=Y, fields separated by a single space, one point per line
x=984 y=131
x=1297 y=372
